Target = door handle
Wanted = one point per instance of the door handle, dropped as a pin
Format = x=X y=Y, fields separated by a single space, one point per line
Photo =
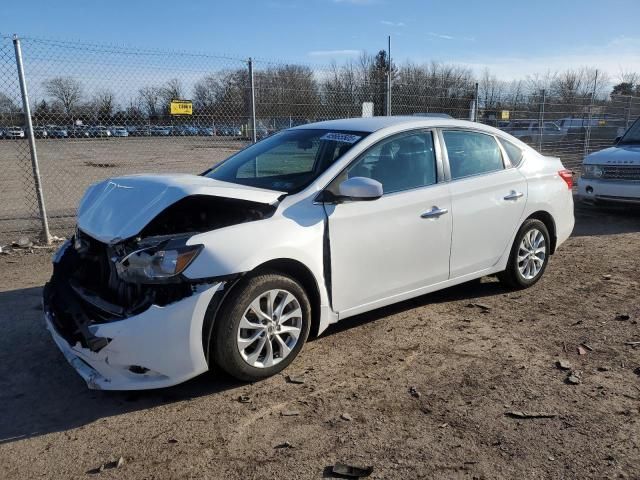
x=514 y=195
x=435 y=212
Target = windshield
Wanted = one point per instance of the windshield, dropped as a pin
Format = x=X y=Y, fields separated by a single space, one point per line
x=287 y=161
x=632 y=135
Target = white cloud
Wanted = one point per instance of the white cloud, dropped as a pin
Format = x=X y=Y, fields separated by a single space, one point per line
x=334 y=53
x=441 y=36
x=392 y=24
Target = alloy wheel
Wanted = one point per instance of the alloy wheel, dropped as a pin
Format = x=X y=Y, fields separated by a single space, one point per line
x=532 y=253
x=269 y=328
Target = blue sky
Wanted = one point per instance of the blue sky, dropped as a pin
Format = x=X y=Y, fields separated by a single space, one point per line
x=512 y=38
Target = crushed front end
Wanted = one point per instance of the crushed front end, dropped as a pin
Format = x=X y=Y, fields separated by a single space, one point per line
x=121 y=332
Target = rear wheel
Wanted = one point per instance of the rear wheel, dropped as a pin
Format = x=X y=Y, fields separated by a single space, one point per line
x=261 y=327
x=529 y=255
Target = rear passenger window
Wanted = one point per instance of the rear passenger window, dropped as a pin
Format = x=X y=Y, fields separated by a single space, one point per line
x=514 y=152
x=471 y=153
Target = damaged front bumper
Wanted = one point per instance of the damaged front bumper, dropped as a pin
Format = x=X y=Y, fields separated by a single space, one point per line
x=158 y=347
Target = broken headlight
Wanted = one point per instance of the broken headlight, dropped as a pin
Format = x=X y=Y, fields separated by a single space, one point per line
x=156 y=264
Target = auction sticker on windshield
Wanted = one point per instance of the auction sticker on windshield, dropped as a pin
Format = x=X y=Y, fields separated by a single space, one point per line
x=340 y=137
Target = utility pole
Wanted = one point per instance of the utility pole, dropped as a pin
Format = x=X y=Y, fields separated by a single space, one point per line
x=389 y=76
x=587 y=138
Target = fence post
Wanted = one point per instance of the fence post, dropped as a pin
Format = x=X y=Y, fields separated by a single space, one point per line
x=587 y=137
x=32 y=141
x=389 y=77
x=475 y=103
x=628 y=119
x=543 y=100
x=252 y=122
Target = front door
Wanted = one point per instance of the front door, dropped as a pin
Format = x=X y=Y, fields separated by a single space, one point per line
x=399 y=242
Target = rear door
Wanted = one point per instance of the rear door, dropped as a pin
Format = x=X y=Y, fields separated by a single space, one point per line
x=488 y=197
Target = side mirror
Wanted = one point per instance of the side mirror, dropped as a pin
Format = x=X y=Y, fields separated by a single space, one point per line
x=360 y=188
x=615 y=142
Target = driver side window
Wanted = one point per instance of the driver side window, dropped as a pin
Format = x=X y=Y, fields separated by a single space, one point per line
x=399 y=163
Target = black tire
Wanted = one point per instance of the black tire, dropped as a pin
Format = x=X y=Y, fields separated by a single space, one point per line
x=512 y=276
x=224 y=347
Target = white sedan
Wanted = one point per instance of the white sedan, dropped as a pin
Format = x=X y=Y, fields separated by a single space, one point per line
x=171 y=275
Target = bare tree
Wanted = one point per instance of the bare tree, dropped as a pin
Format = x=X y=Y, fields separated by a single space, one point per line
x=65 y=90
x=224 y=95
x=103 y=103
x=490 y=90
x=629 y=76
x=172 y=90
x=149 y=99
x=207 y=91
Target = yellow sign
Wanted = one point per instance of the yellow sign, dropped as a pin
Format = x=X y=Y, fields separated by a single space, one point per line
x=504 y=115
x=181 y=107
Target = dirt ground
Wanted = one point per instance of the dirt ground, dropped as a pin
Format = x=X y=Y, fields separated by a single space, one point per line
x=468 y=366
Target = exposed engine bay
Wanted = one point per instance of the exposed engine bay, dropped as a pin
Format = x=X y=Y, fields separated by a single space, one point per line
x=96 y=282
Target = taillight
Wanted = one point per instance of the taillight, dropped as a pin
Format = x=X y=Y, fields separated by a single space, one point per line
x=567 y=176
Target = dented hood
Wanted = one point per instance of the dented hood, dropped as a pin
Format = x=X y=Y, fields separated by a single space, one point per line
x=119 y=208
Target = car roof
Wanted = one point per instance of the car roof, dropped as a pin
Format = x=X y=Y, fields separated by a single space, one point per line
x=373 y=124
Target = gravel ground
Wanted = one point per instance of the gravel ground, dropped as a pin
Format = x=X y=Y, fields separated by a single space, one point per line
x=422 y=389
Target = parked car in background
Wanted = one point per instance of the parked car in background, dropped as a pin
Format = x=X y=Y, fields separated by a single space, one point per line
x=79 y=131
x=38 y=132
x=262 y=131
x=55 y=131
x=170 y=275
x=226 y=130
x=185 y=130
x=612 y=175
x=99 y=131
x=207 y=131
x=160 y=131
x=13 y=133
x=118 y=131
x=139 y=130
x=529 y=131
x=600 y=128
x=431 y=115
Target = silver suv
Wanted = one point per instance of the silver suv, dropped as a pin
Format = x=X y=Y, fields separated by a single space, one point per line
x=613 y=174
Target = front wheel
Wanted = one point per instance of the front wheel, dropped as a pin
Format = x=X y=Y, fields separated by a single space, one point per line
x=261 y=327
x=529 y=255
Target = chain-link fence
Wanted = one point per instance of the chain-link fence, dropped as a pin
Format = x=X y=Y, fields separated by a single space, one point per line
x=99 y=111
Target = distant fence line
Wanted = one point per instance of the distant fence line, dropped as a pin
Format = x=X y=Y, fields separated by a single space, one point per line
x=100 y=111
